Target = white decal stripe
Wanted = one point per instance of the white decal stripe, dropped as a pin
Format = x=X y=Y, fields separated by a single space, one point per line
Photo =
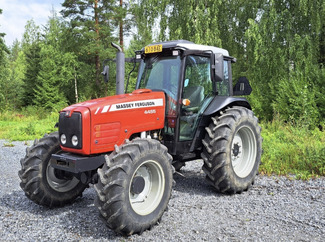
x=105 y=109
x=137 y=104
x=97 y=110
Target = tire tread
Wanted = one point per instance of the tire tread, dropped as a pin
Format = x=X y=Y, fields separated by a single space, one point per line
x=113 y=180
x=214 y=155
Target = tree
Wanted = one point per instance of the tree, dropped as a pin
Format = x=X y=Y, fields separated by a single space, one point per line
x=31 y=48
x=282 y=56
x=56 y=77
x=91 y=22
x=17 y=66
x=4 y=71
x=4 y=84
x=3 y=47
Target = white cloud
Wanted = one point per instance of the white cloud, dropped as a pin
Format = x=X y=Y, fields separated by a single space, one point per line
x=16 y=13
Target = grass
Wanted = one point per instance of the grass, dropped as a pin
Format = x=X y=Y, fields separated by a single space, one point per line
x=28 y=124
x=287 y=150
x=292 y=150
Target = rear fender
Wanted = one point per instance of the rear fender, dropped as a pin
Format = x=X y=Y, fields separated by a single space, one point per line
x=217 y=104
x=221 y=102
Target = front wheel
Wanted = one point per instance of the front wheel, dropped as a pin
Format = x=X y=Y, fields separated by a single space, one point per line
x=134 y=186
x=232 y=150
x=42 y=183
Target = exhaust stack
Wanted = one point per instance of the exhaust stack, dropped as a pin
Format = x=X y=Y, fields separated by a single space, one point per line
x=120 y=69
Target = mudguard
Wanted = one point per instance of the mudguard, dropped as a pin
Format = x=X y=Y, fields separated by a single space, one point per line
x=218 y=103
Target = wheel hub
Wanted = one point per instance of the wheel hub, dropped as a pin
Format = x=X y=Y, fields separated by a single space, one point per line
x=60 y=181
x=243 y=151
x=147 y=187
x=138 y=185
x=236 y=150
x=62 y=175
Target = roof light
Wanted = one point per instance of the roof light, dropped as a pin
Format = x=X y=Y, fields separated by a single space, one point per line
x=175 y=52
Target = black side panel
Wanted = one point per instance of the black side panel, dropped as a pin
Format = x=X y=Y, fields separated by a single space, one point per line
x=71 y=126
x=217 y=104
x=178 y=148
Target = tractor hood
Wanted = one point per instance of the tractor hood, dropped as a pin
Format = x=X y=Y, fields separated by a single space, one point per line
x=109 y=121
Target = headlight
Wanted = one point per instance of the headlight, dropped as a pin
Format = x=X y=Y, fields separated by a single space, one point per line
x=74 y=140
x=63 y=139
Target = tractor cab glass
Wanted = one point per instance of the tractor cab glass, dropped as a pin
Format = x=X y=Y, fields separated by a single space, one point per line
x=162 y=73
x=223 y=86
x=196 y=95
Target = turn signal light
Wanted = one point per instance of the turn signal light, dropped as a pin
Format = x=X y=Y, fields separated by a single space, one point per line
x=186 y=102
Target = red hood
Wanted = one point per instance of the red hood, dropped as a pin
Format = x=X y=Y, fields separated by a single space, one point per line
x=115 y=103
x=111 y=120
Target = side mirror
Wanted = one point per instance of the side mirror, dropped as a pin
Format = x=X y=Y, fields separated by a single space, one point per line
x=218 y=67
x=105 y=73
x=242 y=87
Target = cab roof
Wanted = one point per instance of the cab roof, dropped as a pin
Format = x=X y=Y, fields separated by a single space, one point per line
x=188 y=45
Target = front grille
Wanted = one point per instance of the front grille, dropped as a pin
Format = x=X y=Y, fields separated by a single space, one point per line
x=71 y=126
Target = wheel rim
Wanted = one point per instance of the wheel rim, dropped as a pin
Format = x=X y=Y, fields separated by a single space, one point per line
x=146 y=199
x=58 y=182
x=243 y=151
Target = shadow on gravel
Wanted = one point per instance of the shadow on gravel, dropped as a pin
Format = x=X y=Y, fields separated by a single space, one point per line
x=192 y=182
x=80 y=218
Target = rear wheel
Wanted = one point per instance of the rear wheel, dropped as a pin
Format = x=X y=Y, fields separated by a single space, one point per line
x=134 y=186
x=42 y=183
x=232 y=150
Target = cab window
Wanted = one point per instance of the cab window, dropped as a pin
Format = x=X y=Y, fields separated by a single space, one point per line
x=223 y=87
x=197 y=91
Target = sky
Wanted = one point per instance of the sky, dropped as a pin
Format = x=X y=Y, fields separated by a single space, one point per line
x=16 y=13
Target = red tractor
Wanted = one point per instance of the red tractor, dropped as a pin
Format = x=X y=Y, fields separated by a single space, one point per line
x=129 y=145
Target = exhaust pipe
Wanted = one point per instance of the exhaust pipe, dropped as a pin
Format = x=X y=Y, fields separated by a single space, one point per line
x=120 y=69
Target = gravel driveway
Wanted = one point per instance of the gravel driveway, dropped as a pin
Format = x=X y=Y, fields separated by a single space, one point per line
x=274 y=209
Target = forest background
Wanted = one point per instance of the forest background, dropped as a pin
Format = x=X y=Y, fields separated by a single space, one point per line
x=279 y=46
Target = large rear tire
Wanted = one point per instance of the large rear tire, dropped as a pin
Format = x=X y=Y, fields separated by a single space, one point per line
x=42 y=183
x=232 y=150
x=134 y=186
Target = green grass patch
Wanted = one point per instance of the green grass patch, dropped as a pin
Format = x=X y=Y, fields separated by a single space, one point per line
x=8 y=145
x=28 y=124
x=292 y=150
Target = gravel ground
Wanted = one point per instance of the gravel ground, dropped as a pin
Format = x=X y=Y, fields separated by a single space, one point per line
x=274 y=209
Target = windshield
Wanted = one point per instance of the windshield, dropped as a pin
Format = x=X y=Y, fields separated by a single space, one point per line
x=160 y=73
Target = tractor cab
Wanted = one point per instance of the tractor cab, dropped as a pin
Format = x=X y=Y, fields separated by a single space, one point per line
x=191 y=76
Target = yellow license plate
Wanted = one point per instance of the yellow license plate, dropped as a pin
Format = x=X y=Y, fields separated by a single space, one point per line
x=153 y=49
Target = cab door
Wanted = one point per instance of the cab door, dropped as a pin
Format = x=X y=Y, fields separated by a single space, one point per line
x=197 y=93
